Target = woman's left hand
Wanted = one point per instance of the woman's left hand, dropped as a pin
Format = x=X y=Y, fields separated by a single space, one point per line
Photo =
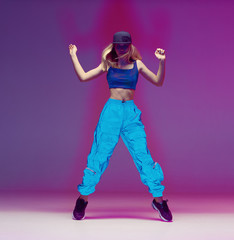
x=160 y=54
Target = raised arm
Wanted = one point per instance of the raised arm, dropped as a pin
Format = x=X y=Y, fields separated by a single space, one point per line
x=149 y=75
x=81 y=74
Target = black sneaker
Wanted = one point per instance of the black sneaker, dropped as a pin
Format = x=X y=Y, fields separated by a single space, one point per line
x=163 y=210
x=79 y=210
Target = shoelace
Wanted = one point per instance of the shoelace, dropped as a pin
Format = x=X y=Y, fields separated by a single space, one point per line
x=164 y=205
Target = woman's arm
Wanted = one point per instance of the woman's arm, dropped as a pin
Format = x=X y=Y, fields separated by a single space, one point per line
x=147 y=74
x=82 y=75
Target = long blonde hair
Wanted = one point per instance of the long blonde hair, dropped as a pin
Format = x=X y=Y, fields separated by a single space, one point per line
x=110 y=58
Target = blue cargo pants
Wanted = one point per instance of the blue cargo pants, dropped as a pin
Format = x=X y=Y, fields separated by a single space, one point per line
x=121 y=118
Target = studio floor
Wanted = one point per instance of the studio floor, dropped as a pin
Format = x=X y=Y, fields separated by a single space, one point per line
x=122 y=216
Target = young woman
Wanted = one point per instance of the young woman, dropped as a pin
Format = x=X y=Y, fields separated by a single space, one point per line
x=121 y=117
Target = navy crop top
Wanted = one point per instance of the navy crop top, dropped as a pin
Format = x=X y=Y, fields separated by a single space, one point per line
x=122 y=78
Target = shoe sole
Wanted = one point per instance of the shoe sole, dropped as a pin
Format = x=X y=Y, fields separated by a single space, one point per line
x=154 y=207
x=77 y=219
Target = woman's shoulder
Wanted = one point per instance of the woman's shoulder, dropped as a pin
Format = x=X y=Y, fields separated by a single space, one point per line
x=139 y=64
x=138 y=61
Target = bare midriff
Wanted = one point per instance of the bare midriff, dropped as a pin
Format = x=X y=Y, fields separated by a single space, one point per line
x=122 y=94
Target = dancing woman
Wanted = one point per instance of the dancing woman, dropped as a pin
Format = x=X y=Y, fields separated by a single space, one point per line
x=121 y=117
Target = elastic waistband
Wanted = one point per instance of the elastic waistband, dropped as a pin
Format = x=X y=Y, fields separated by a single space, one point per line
x=120 y=102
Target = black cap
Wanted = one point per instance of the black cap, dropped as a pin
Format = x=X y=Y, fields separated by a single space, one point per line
x=122 y=37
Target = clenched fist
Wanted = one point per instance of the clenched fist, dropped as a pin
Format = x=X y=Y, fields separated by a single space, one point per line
x=160 y=54
x=72 y=49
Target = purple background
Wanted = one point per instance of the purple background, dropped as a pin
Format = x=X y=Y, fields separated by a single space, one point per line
x=48 y=117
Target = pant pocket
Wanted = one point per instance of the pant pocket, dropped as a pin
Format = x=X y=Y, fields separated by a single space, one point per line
x=158 y=171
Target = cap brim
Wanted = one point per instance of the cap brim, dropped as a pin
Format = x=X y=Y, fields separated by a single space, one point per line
x=122 y=42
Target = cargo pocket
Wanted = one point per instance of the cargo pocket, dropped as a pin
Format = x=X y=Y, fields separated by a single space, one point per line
x=138 y=113
x=91 y=170
x=158 y=172
x=91 y=178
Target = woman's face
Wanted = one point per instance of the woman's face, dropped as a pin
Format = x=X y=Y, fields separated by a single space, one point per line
x=121 y=48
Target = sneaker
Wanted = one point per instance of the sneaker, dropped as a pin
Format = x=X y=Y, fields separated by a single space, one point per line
x=79 y=210
x=163 y=210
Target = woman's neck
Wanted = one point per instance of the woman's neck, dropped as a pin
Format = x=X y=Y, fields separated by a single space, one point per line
x=123 y=62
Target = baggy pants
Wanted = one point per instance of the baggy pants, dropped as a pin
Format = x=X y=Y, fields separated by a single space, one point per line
x=121 y=118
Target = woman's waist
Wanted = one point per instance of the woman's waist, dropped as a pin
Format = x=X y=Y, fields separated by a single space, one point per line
x=122 y=94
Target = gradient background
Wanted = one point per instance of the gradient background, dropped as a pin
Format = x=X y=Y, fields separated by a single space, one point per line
x=48 y=116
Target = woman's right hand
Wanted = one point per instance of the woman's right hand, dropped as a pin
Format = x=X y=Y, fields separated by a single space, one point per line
x=72 y=49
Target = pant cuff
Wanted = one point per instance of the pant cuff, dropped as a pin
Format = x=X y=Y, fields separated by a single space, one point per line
x=84 y=192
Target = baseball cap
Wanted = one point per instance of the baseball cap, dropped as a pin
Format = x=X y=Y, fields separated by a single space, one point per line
x=122 y=37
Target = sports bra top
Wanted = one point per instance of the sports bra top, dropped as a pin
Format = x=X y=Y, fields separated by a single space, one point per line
x=122 y=78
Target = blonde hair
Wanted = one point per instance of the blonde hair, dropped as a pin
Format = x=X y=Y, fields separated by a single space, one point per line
x=110 y=58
